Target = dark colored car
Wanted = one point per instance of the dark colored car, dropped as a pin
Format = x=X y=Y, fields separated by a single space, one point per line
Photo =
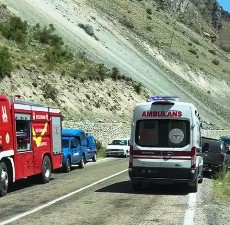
x=214 y=156
x=226 y=140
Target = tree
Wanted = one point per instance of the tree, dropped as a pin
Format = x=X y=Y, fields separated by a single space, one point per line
x=6 y=65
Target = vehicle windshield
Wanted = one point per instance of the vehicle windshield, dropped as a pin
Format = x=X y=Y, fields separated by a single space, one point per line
x=119 y=142
x=226 y=140
x=65 y=143
x=162 y=133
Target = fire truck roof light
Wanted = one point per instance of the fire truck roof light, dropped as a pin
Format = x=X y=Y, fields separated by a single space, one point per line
x=163 y=98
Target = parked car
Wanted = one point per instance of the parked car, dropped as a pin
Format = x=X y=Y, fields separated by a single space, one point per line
x=214 y=155
x=226 y=140
x=118 y=147
x=75 y=150
x=91 y=147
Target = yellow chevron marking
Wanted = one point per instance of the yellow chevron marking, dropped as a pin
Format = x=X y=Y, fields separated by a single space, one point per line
x=38 y=139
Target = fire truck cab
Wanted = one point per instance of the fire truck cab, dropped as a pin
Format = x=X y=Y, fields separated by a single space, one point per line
x=30 y=141
x=165 y=145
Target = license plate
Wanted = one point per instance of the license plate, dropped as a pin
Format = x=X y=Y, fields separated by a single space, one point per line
x=149 y=171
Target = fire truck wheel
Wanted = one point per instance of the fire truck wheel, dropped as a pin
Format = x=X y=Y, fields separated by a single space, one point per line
x=3 y=179
x=46 y=170
x=82 y=164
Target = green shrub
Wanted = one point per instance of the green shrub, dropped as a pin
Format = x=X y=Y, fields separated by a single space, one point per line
x=102 y=69
x=54 y=55
x=115 y=73
x=128 y=79
x=213 y=51
x=97 y=105
x=149 y=11
x=149 y=17
x=123 y=77
x=6 y=65
x=196 y=41
x=138 y=88
x=50 y=91
x=216 y=61
x=221 y=187
x=46 y=35
x=15 y=29
x=127 y=23
x=193 y=51
x=225 y=48
x=149 y=28
x=100 y=149
x=3 y=6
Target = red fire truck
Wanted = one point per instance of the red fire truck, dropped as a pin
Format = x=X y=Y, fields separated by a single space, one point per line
x=30 y=141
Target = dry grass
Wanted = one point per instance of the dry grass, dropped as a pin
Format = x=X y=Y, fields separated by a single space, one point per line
x=222 y=188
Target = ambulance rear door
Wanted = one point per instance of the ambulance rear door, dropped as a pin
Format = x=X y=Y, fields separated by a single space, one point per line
x=175 y=136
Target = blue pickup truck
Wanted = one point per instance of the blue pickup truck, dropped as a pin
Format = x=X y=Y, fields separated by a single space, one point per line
x=75 y=150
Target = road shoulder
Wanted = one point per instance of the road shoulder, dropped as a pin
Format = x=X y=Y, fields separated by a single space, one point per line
x=210 y=208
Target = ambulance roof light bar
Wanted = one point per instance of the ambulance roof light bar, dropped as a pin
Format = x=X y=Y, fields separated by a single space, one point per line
x=163 y=98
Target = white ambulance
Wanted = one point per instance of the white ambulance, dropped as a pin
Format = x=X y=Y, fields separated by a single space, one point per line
x=165 y=145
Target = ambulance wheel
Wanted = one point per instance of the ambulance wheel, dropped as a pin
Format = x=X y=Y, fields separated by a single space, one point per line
x=94 y=157
x=201 y=177
x=67 y=167
x=193 y=187
x=82 y=164
x=46 y=170
x=4 y=179
x=136 y=185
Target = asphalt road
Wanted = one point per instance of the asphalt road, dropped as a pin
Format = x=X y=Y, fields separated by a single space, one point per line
x=98 y=194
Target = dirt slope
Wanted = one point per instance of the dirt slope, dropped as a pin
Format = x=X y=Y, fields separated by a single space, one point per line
x=114 y=47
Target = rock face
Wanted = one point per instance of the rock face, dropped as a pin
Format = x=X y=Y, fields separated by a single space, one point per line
x=210 y=10
x=88 y=29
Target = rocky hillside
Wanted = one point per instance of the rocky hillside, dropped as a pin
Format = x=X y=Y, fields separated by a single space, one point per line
x=122 y=52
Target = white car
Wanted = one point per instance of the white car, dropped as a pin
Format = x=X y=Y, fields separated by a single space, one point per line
x=118 y=147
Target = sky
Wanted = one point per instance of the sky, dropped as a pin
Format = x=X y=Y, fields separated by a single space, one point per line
x=225 y=4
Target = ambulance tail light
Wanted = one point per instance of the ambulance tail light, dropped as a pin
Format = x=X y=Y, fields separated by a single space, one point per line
x=131 y=150
x=193 y=158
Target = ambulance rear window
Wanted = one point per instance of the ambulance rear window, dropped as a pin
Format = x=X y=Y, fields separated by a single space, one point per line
x=162 y=133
